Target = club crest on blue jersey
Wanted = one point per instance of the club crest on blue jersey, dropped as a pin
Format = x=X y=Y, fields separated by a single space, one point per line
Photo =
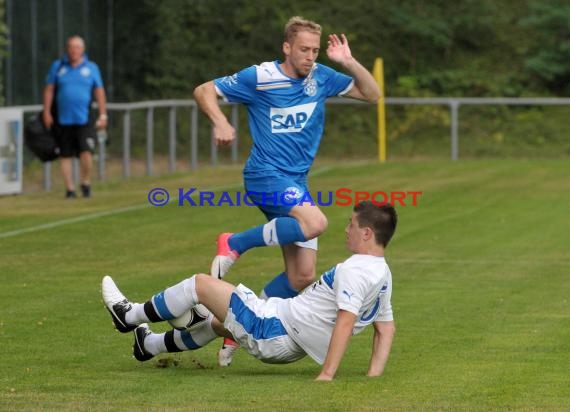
x=310 y=84
x=310 y=88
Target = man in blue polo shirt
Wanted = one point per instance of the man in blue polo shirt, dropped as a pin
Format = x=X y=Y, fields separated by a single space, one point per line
x=73 y=81
x=286 y=108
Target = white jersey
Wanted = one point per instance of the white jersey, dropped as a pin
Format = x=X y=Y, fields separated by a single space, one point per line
x=362 y=285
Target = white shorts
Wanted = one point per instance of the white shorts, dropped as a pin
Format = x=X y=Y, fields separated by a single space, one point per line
x=309 y=244
x=254 y=324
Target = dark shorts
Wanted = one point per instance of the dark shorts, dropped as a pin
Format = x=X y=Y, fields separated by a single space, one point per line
x=74 y=139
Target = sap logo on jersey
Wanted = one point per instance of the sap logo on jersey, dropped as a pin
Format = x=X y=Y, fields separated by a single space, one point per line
x=291 y=119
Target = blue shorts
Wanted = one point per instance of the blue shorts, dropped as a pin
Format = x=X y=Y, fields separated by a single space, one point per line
x=275 y=194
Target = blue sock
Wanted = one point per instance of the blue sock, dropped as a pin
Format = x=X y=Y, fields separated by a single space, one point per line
x=279 y=231
x=279 y=287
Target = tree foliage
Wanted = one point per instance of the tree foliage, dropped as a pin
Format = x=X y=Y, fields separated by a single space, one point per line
x=163 y=49
x=466 y=47
x=3 y=43
x=548 y=59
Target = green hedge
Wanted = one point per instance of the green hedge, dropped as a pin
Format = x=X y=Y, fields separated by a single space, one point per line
x=3 y=33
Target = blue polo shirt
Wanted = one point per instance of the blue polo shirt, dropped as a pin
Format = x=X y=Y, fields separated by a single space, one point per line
x=74 y=89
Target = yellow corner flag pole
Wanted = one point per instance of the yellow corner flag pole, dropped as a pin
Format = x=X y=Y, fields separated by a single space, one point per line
x=378 y=73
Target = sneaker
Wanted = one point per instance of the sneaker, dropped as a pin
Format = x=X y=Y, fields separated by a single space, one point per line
x=226 y=352
x=117 y=304
x=139 y=352
x=225 y=257
x=70 y=194
x=86 y=190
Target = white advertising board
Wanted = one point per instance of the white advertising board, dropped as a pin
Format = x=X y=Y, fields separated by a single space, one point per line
x=11 y=151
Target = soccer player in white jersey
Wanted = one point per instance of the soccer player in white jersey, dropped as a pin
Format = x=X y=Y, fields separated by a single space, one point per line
x=286 y=108
x=317 y=322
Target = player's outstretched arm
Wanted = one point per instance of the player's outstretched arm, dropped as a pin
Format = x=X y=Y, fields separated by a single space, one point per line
x=207 y=99
x=339 y=342
x=381 y=345
x=365 y=87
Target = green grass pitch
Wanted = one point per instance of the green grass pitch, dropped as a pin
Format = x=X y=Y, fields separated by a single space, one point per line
x=481 y=270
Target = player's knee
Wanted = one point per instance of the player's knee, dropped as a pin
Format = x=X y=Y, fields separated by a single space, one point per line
x=219 y=328
x=302 y=279
x=201 y=280
x=316 y=226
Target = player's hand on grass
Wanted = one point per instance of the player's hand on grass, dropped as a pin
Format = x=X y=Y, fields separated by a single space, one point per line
x=324 y=377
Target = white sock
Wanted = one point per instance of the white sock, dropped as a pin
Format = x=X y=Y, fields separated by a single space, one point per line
x=154 y=343
x=136 y=315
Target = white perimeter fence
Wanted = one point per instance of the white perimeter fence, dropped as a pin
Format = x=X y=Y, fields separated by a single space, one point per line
x=126 y=110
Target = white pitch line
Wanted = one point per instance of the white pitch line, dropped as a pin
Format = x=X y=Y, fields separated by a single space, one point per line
x=92 y=216
x=96 y=215
x=69 y=221
x=482 y=261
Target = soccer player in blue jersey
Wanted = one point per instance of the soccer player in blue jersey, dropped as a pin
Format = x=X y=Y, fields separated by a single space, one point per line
x=72 y=82
x=286 y=107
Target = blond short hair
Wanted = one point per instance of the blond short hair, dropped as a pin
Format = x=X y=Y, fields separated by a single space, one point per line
x=297 y=24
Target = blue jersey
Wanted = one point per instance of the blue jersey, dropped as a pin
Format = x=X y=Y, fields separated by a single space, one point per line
x=286 y=115
x=74 y=89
